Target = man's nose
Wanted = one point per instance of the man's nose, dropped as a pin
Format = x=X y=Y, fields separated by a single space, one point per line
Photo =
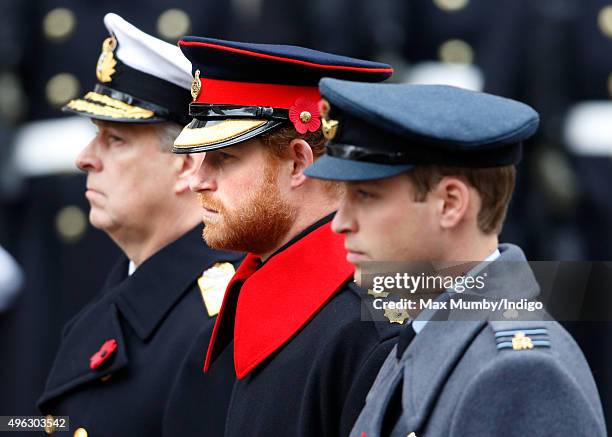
x=87 y=160
x=202 y=179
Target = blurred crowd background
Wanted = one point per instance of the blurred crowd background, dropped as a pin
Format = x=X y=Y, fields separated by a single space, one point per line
x=555 y=55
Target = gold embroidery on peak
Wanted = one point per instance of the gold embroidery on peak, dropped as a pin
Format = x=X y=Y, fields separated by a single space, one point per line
x=114 y=108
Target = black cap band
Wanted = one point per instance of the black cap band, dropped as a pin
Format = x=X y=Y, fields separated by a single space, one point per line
x=143 y=87
x=223 y=112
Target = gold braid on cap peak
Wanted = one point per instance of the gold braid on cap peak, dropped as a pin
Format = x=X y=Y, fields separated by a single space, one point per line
x=113 y=108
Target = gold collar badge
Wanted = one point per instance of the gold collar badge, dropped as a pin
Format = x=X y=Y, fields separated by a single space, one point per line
x=398 y=316
x=106 y=62
x=328 y=126
x=213 y=283
x=196 y=85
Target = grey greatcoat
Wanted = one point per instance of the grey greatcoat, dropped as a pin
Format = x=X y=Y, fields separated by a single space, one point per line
x=465 y=378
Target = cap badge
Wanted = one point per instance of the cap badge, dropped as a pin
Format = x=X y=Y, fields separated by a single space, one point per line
x=304 y=114
x=328 y=126
x=196 y=85
x=106 y=62
x=213 y=283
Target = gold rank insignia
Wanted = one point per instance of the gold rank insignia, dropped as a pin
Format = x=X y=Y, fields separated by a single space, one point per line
x=396 y=315
x=328 y=126
x=521 y=342
x=106 y=62
x=196 y=85
x=378 y=293
x=213 y=283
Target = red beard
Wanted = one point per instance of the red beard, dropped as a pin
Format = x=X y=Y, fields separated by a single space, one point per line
x=258 y=225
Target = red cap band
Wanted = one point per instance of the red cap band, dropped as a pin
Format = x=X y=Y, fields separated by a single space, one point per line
x=225 y=92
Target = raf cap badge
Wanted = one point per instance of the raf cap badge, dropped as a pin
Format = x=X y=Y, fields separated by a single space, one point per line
x=328 y=126
x=196 y=85
x=106 y=62
x=213 y=283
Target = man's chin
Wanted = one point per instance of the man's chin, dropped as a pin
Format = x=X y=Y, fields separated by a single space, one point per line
x=214 y=237
x=100 y=221
x=221 y=239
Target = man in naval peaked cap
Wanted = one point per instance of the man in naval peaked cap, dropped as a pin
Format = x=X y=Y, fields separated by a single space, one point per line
x=115 y=370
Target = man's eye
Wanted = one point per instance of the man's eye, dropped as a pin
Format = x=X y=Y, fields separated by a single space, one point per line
x=114 y=138
x=363 y=194
x=224 y=156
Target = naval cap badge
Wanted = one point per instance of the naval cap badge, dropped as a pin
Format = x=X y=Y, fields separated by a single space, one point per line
x=106 y=62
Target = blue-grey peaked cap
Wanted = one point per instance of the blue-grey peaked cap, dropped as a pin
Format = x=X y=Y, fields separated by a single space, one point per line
x=387 y=129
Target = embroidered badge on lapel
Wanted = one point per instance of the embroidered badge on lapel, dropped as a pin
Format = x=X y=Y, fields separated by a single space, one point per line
x=371 y=292
x=213 y=283
x=107 y=349
x=398 y=316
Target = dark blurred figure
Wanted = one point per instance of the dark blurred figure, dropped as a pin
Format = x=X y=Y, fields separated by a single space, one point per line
x=11 y=279
x=572 y=83
x=43 y=221
x=358 y=28
x=555 y=55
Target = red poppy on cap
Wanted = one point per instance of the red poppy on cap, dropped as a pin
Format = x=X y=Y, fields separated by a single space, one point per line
x=304 y=114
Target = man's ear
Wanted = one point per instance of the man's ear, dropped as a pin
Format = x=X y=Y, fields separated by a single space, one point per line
x=301 y=156
x=185 y=165
x=454 y=200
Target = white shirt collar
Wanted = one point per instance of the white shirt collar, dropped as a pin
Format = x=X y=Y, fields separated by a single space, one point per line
x=419 y=323
x=131 y=268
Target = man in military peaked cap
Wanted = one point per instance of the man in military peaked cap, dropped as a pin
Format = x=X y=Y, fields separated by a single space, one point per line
x=429 y=172
x=115 y=370
x=303 y=358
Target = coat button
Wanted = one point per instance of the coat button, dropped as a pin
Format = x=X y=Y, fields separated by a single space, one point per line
x=49 y=427
x=80 y=432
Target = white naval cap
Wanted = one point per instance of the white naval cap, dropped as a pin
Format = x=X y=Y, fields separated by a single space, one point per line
x=148 y=54
x=140 y=79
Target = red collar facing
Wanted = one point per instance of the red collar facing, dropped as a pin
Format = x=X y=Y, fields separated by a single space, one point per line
x=265 y=308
